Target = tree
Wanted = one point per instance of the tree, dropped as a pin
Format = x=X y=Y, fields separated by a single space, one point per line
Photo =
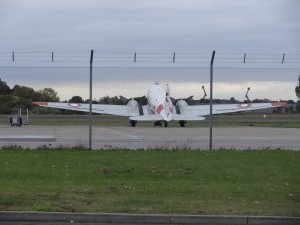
x=111 y=100
x=298 y=106
x=76 y=99
x=265 y=100
x=23 y=91
x=48 y=95
x=22 y=96
x=4 y=88
x=232 y=100
x=217 y=101
x=6 y=104
x=104 y=100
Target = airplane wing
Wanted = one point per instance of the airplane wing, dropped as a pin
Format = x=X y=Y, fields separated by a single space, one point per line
x=202 y=110
x=195 y=112
x=120 y=110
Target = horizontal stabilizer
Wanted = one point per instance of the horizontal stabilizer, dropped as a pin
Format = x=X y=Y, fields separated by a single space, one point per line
x=153 y=117
x=187 y=117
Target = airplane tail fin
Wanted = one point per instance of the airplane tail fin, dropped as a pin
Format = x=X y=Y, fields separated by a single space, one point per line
x=165 y=116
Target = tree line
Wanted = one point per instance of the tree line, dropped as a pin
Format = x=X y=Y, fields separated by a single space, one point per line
x=23 y=96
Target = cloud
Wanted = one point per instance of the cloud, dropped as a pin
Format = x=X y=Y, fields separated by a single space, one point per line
x=147 y=27
x=157 y=25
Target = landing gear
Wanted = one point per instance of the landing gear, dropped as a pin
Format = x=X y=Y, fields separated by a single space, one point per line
x=159 y=123
x=132 y=123
x=182 y=123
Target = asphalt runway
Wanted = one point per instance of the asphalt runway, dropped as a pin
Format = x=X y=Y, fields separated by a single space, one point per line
x=29 y=136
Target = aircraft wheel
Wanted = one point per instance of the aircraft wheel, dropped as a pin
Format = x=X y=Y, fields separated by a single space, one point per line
x=157 y=123
x=166 y=124
x=182 y=123
x=132 y=123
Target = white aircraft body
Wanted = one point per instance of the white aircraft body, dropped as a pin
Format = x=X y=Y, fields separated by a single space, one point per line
x=160 y=107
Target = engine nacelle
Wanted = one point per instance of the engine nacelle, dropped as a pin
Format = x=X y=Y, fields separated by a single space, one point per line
x=132 y=103
x=181 y=103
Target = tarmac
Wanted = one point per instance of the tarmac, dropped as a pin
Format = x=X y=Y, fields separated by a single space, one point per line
x=46 y=218
x=29 y=136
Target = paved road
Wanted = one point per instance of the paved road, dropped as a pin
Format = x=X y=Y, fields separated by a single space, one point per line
x=149 y=138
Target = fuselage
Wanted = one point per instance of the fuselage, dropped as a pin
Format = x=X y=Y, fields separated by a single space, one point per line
x=159 y=101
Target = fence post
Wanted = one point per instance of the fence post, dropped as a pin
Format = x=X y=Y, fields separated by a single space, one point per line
x=91 y=101
x=211 y=99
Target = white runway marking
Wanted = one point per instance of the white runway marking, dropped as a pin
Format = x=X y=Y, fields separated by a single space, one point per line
x=26 y=138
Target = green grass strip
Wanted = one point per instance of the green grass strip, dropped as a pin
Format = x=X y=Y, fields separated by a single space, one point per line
x=183 y=182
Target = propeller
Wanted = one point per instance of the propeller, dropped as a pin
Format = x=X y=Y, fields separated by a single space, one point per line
x=248 y=100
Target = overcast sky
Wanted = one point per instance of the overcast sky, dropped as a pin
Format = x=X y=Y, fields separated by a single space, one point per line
x=152 y=26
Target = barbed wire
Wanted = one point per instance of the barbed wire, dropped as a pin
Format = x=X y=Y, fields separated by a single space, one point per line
x=127 y=57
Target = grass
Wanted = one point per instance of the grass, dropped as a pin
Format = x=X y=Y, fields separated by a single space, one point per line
x=284 y=120
x=184 y=182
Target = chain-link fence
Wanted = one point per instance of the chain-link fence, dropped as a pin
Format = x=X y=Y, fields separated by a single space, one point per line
x=271 y=127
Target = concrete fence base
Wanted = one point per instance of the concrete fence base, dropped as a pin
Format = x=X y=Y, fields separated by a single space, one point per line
x=118 y=218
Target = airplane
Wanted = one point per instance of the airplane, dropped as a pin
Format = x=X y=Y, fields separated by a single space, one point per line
x=160 y=108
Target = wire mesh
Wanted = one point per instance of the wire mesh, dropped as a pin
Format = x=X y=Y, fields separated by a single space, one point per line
x=49 y=127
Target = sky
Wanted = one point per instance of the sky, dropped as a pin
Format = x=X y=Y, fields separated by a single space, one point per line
x=256 y=27
x=150 y=25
